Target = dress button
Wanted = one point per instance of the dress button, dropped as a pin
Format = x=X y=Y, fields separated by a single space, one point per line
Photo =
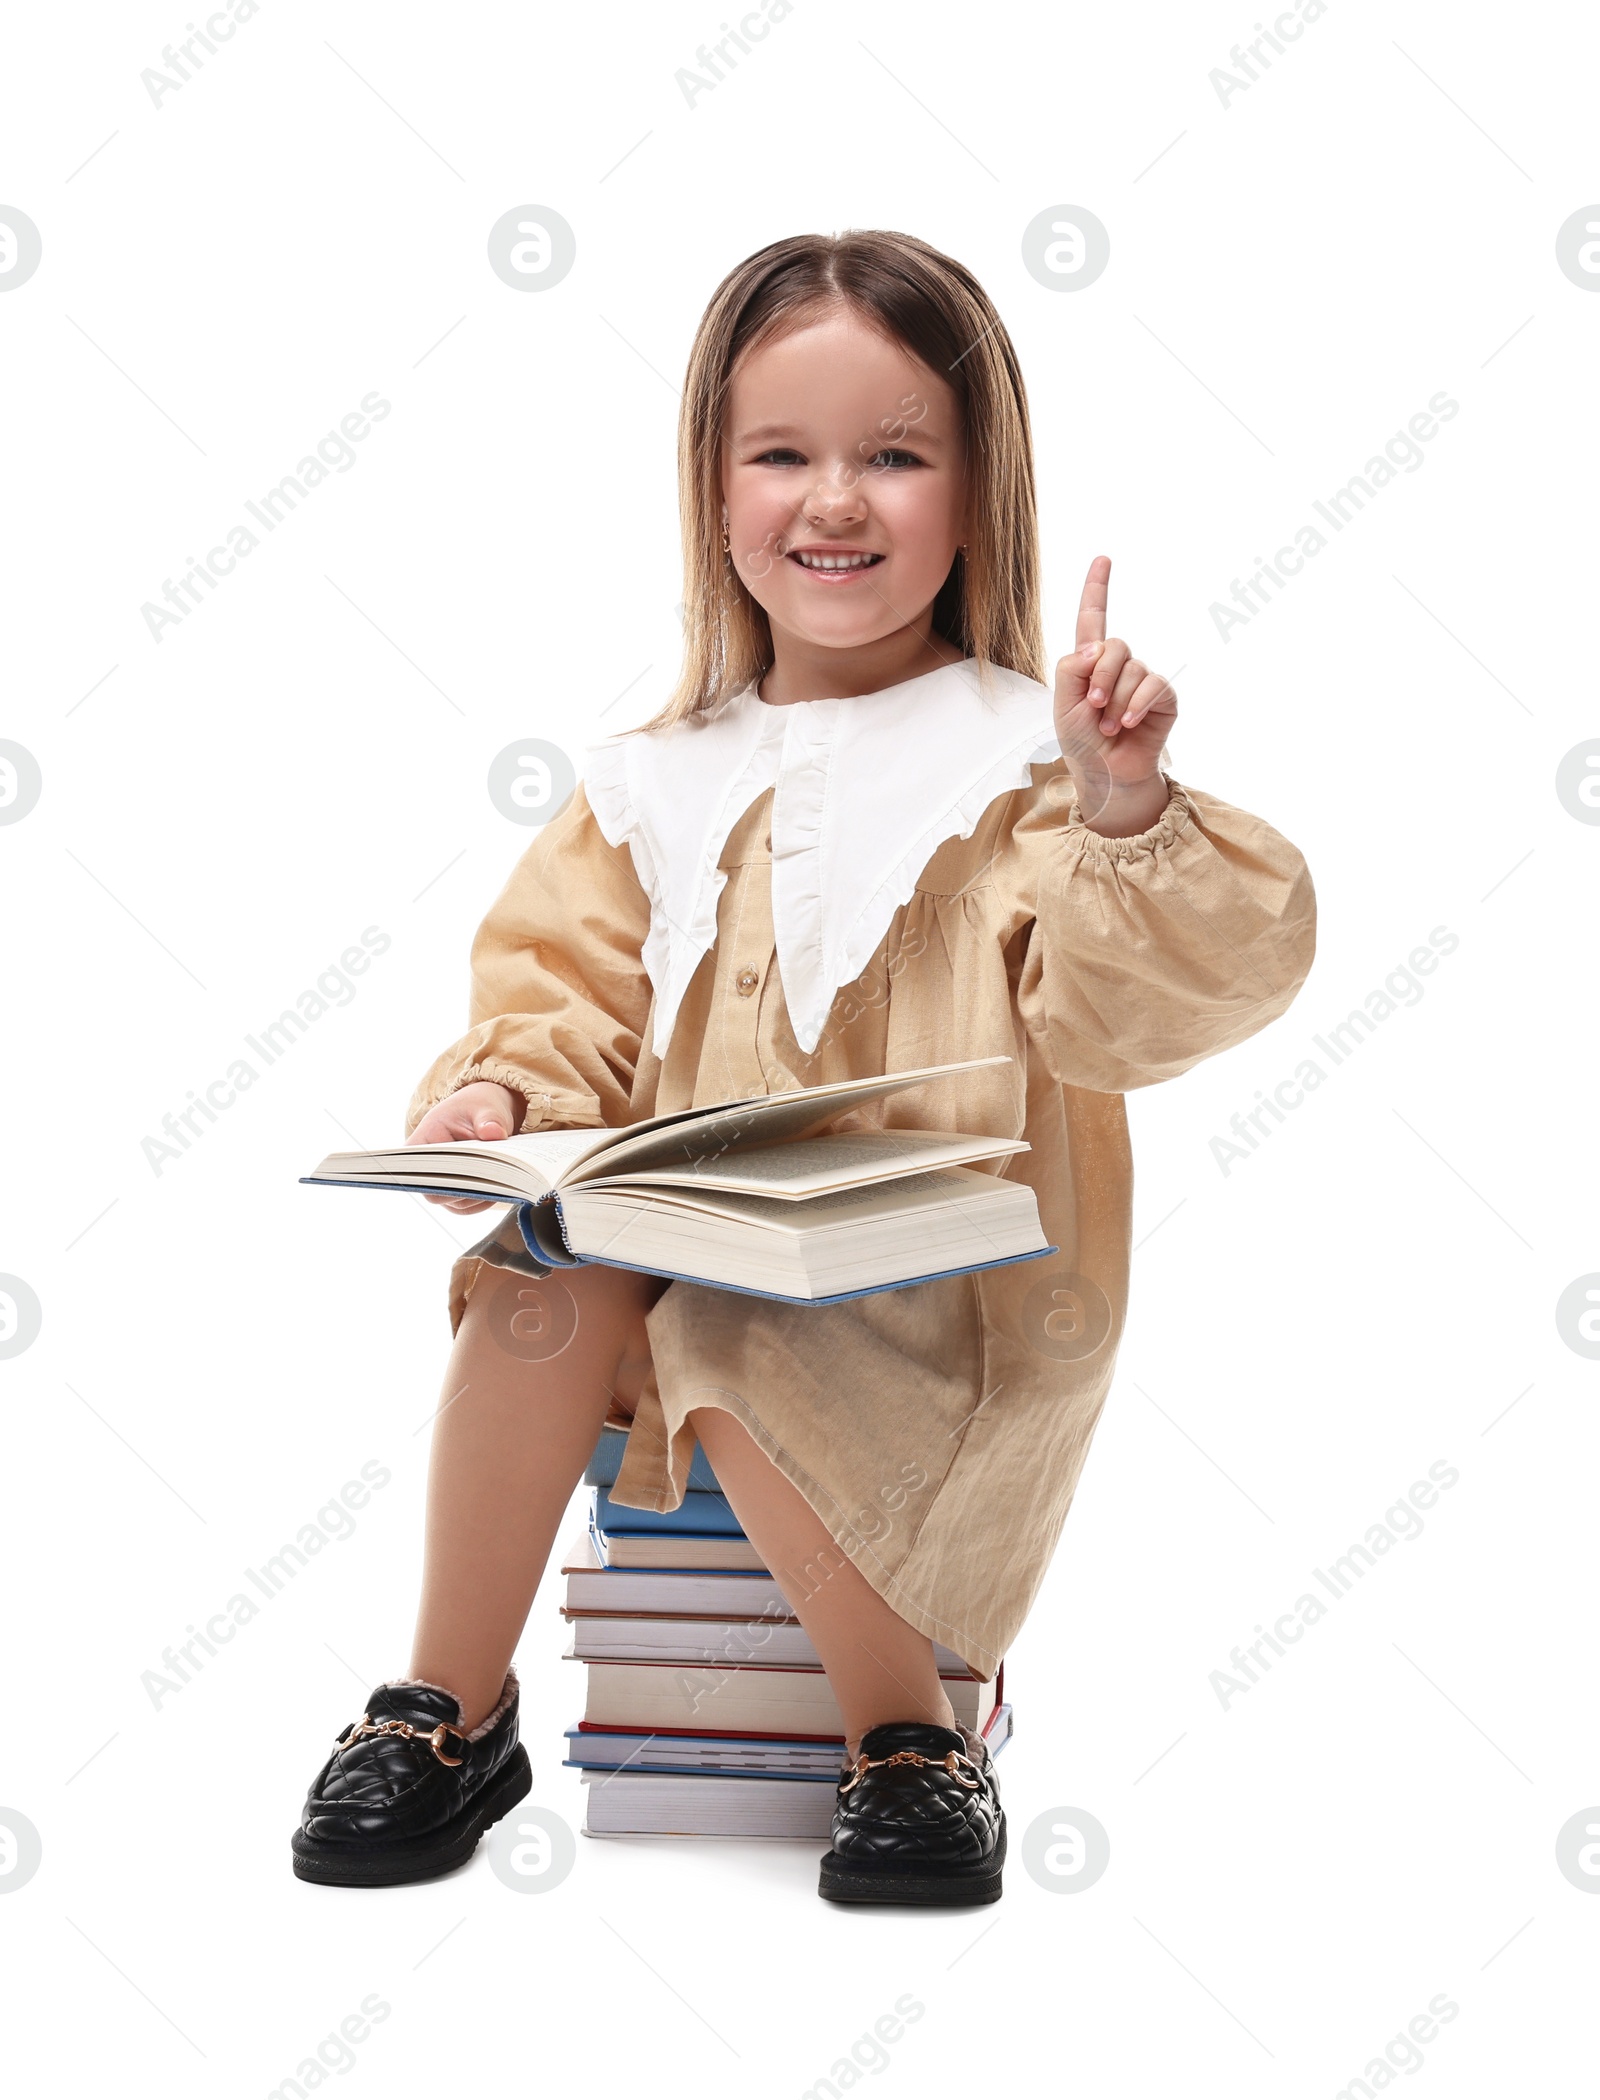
x=747 y=980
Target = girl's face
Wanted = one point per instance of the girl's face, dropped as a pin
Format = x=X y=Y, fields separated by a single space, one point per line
x=843 y=476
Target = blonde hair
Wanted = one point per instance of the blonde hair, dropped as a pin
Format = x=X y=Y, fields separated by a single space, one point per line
x=936 y=309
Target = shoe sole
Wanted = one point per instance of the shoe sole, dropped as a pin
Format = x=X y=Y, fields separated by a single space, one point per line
x=841 y=1882
x=387 y=1864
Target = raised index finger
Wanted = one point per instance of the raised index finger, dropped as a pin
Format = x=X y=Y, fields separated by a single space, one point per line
x=1092 y=605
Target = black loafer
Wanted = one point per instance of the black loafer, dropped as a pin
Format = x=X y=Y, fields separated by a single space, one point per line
x=917 y=1820
x=407 y=1794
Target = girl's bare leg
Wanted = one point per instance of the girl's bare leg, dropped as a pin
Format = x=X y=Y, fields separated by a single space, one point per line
x=518 y=1421
x=880 y=1668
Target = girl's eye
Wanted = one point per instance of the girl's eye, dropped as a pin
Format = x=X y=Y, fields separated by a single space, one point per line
x=779 y=456
x=892 y=457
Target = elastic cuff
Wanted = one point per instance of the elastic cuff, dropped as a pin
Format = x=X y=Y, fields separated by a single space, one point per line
x=1177 y=817
x=539 y=1104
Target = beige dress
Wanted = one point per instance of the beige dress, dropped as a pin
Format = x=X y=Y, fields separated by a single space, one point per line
x=938 y=1430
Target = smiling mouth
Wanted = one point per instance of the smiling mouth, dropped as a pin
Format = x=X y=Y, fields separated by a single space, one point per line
x=835 y=568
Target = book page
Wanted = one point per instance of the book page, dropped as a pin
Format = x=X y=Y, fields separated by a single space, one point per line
x=808 y=1167
x=551 y=1153
x=765 y=1119
x=507 y=1170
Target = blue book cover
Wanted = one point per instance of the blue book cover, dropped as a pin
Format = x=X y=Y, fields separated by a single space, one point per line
x=544 y=1234
x=606 y=1463
x=699 y=1514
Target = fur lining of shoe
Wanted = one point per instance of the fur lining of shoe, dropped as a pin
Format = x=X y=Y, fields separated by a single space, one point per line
x=977 y=1749
x=507 y=1694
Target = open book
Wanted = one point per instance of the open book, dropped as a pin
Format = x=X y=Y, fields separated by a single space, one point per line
x=752 y=1195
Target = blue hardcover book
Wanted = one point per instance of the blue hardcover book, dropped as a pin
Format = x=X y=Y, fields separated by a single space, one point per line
x=606 y=1463
x=723 y=1757
x=730 y=1756
x=700 y=1513
x=756 y=1189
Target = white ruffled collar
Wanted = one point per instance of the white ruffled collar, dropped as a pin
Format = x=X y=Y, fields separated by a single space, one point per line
x=867 y=789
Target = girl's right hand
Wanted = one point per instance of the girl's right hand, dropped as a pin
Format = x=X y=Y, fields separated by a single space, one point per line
x=483 y=1110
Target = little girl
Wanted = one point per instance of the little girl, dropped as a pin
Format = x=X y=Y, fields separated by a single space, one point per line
x=863 y=835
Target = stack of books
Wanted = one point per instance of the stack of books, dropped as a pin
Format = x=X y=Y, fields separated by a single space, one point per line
x=707 y=1711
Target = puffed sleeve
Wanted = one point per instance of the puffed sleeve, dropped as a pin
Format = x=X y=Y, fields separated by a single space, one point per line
x=1144 y=955
x=560 y=997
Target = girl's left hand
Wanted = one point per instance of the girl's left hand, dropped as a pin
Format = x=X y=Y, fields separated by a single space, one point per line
x=1112 y=714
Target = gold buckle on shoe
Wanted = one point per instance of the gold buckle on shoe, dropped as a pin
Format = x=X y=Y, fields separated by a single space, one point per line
x=434 y=1738
x=915 y=1757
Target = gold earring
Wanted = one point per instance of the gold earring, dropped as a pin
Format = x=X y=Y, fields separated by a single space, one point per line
x=727 y=544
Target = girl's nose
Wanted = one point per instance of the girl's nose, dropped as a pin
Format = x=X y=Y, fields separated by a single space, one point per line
x=836 y=497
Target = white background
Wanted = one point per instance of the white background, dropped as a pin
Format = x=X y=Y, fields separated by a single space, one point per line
x=1293 y=275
